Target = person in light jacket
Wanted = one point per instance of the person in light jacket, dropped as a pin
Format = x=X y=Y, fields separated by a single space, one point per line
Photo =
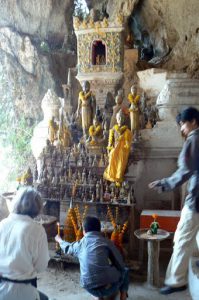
x=23 y=248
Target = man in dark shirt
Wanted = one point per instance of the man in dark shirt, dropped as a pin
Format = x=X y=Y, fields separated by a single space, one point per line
x=102 y=270
x=188 y=226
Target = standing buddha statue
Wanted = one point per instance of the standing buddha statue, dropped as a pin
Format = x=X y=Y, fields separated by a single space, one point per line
x=87 y=105
x=134 y=99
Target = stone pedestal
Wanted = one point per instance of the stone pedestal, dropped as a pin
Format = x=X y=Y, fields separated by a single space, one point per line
x=153 y=246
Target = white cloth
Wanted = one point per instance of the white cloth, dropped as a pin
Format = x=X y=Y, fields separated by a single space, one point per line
x=184 y=245
x=193 y=278
x=23 y=254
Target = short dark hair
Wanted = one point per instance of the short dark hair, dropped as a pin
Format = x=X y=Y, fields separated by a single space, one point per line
x=27 y=202
x=91 y=224
x=178 y=118
x=189 y=114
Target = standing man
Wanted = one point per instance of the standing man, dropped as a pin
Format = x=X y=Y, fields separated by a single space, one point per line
x=188 y=226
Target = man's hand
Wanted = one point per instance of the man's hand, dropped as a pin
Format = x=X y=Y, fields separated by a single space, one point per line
x=58 y=239
x=156 y=185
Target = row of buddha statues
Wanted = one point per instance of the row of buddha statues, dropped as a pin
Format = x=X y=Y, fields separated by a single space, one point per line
x=111 y=129
x=73 y=173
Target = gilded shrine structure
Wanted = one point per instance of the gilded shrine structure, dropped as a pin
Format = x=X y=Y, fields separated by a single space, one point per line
x=100 y=54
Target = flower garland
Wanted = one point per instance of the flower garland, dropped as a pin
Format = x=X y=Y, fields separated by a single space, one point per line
x=110 y=139
x=118 y=129
x=84 y=97
x=133 y=100
x=119 y=230
x=94 y=130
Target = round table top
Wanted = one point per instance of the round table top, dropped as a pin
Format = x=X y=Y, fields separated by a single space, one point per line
x=143 y=234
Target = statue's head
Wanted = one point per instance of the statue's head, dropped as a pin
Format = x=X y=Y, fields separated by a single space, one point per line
x=118 y=99
x=96 y=120
x=120 y=117
x=133 y=89
x=120 y=92
x=86 y=86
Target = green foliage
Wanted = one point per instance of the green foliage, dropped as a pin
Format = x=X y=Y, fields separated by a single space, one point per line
x=15 y=135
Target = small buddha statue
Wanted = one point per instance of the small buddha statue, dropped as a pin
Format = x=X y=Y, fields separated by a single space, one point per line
x=118 y=105
x=84 y=176
x=64 y=136
x=27 y=178
x=95 y=133
x=52 y=130
x=95 y=161
x=134 y=110
x=48 y=148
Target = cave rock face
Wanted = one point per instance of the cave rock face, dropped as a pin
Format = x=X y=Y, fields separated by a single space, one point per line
x=45 y=19
x=27 y=72
x=35 y=50
x=172 y=28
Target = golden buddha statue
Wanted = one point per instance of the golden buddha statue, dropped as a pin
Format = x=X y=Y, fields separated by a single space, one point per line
x=87 y=106
x=95 y=133
x=134 y=110
x=65 y=136
x=26 y=178
x=52 y=130
x=119 y=146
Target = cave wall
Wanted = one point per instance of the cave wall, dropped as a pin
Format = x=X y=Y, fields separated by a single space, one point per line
x=173 y=28
x=43 y=20
x=36 y=49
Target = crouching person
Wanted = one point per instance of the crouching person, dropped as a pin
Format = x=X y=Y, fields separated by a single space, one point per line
x=23 y=248
x=102 y=270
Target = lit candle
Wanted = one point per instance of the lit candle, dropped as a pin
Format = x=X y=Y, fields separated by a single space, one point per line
x=58 y=229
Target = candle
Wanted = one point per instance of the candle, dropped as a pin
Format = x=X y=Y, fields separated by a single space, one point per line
x=58 y=229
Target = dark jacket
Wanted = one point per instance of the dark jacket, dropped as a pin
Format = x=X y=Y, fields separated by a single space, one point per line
x=100 y=261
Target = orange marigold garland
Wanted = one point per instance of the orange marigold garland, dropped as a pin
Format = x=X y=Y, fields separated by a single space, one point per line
x=119 y=230
x=73 y=229
x=69 y=232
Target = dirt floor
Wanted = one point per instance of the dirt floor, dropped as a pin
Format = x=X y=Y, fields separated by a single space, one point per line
x=63 y=284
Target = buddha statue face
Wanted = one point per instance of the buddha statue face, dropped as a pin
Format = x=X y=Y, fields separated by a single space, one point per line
x=120 y=92
x=95 y=122
x=118 y=99
x=86 y=86
x=133 y=90
x=120 y=117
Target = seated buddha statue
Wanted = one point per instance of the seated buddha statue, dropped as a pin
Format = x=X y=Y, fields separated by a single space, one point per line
x=95 y=133
x=52 y=130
